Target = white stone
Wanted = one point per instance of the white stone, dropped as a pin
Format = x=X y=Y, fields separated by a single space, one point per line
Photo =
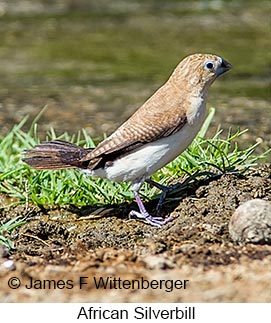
x=251 y=222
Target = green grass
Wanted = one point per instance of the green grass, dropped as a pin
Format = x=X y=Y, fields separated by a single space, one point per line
x=6 y=229
x=216 y=155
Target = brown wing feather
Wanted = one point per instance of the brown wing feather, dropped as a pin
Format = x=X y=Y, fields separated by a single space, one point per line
x=159 y=117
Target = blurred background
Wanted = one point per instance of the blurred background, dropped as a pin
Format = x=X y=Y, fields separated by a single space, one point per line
x=93 y=63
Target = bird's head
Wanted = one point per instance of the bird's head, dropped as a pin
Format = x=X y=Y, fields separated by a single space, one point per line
x=198 y=71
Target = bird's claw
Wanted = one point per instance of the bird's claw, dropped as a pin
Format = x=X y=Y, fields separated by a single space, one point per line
x=155 y=221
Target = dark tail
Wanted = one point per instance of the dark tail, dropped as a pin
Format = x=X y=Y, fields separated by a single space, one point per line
x=56 y=154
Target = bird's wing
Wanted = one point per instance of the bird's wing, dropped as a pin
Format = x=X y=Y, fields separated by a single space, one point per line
x=156 y=119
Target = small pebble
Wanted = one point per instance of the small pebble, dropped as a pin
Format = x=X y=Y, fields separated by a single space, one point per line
x=9 y=265
x=251 y=222
x=158 y=262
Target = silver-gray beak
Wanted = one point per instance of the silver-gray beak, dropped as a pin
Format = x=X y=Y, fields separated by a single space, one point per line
x=224 y=67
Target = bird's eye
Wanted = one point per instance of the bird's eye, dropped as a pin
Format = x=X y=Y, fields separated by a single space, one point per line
x=209 y=65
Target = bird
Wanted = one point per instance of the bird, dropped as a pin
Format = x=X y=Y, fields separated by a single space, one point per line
x=158 y=131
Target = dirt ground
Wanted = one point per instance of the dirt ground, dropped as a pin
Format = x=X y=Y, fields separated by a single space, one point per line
x=62 y=245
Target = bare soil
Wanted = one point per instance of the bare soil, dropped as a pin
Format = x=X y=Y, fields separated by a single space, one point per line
x=65 y=244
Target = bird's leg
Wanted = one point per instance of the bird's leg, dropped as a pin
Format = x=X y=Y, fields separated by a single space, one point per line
x=143 y=213
x=165 y=190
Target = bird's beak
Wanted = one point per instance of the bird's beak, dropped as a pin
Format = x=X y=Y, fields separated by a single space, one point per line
x=224 y=67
